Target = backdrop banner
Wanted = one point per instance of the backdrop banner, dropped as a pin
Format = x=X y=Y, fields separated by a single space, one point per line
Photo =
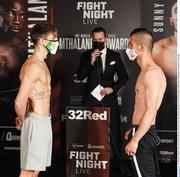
x=87 y=135
x=75 y=20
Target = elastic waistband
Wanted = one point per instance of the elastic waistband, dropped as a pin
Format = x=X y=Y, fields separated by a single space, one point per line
x=36 y=116
x=152 y=127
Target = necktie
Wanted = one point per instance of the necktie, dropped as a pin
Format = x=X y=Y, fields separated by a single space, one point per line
x=100 y=64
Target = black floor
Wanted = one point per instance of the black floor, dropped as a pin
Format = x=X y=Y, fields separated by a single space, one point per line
x=9 y=167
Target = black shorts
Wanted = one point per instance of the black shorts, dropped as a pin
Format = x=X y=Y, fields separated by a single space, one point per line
x=145 y=161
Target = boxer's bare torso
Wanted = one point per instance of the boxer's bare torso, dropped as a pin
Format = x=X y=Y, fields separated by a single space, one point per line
x=146 y=86
x=39 y=98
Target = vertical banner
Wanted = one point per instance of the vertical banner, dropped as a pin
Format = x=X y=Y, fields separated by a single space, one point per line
x=160 y=17
x=87 y=136
x=13 y=53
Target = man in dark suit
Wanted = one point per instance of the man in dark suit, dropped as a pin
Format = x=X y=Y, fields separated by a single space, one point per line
x=103 y=66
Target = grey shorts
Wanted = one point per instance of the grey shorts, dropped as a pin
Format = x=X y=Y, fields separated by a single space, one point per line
x=36 y=142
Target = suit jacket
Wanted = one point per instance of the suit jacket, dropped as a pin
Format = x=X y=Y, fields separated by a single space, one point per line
x=113 y=65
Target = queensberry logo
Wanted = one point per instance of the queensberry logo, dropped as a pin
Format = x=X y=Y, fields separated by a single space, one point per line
x=92 y=11
x=86 y=115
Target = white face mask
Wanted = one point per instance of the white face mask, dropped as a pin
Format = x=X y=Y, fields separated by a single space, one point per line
x=131 y=53
x=52 y=46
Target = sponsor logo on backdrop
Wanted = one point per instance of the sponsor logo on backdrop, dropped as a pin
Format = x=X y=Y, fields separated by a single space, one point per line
x=167 y=141
x=76 y=146
x=164 y=141
x=86 y=115
x=9 y=136
x=12 y=137
x=63 y=117
x=158 y=18
x=88 y=146
x=85 y=161
x=166 y=156
x=76 y=100
x=92 y=12
x=9 y=139
x=166 y=152
x=158 y=140
x=124 y=118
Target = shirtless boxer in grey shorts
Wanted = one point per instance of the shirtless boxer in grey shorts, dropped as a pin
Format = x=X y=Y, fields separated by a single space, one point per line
x=32 y=103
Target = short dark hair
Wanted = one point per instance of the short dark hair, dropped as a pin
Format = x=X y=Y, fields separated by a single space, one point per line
x=141 y=31
x=99 y=29
x=41 y=30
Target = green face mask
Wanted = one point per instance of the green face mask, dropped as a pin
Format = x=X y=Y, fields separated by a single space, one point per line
x=52 y=46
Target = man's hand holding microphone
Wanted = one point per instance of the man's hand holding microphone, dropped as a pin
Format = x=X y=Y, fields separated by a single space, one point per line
x=95 y=56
